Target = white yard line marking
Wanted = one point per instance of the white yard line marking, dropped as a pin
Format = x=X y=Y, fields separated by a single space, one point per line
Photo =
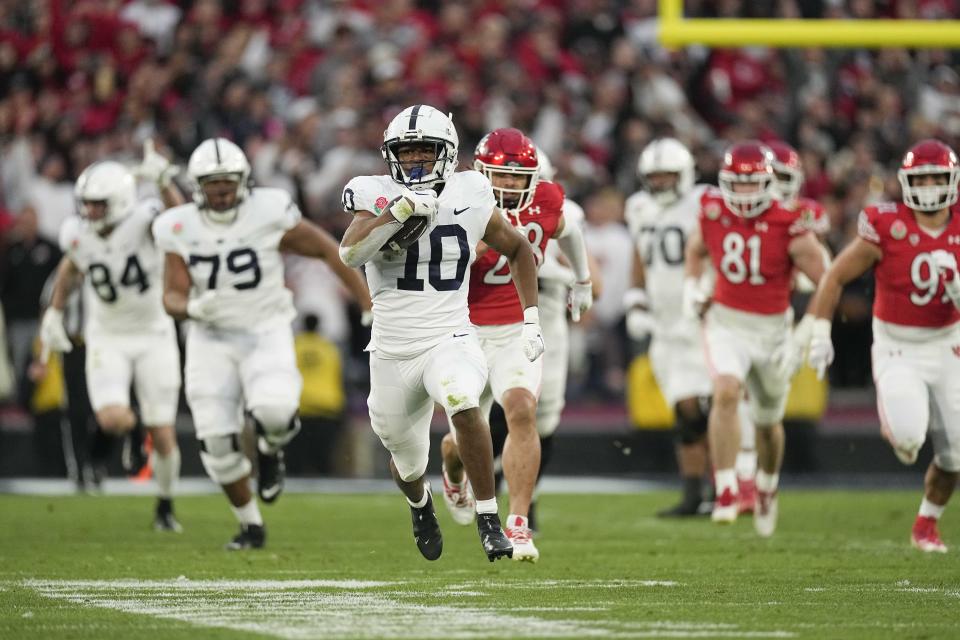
x=344 y=609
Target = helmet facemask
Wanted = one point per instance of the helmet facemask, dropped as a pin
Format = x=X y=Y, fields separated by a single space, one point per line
x=747 y=204
x=787 y=182
x=929 y=198
x=418 y=173
x=662 y=194
x=512 y=200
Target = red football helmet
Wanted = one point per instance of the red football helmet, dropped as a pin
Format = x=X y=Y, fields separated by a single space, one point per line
x=788 y=173
x=929 y=157
x=509 y=151
x=744 y=164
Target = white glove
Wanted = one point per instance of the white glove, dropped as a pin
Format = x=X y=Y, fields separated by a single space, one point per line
x=154 y=166
x=821 y=347
x=580 y=299
x=366 y=318
x=789 y=356
x=695 y=299
x=415 y=203
x=203 y=308
x=946 y=265
x=639 y=319
x=532 y=337
x=53 y=336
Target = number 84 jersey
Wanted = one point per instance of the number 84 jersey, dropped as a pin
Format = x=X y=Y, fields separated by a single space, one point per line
x=750 y=255
x=122 y=288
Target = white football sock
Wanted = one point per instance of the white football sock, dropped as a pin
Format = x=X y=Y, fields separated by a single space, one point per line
x=487 y=506
x=725 y=479
x=930 y=510
x=767 y=482
x=422 y=502
x=746 y=464
x=248 y=513
x=166 y=469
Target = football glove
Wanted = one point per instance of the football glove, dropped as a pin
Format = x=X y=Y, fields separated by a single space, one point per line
x=366 y=318
x=531 y=336
x=580 y=299
x=946 y=265
x=154 y=166
x=821 y=347
x=640 y=322
x=695 y=299
x=203 y=308
x=53 y=335
x=789 y=356
x=415 y=203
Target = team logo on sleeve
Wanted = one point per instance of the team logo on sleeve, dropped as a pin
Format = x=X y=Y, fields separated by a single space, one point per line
x=380 y=204
x=898 y=230
x=177 y=227
x=712 y=210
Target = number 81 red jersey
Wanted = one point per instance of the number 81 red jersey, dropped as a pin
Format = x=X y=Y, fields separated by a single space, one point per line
x=750 y=255
x=908 y=287
x=493 y=298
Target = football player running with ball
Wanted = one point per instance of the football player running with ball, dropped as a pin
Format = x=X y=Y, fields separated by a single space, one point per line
x=224 y=272
x=109 y=250
x=535 y=207
x=912 y=247
x=424 y=348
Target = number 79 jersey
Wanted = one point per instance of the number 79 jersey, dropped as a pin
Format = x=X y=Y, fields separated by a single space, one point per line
x=241 y=260
x=908 y=288
x=420 y=295
x=750 y=255
x=122 y=288
x=493 y=297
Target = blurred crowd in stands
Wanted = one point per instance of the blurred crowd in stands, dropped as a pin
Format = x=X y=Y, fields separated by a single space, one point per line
x=307 y=86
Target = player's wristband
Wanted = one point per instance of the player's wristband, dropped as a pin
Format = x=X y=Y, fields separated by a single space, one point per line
x=531 y=315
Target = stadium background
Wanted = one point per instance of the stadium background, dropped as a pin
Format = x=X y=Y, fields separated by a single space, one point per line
x=306 y=87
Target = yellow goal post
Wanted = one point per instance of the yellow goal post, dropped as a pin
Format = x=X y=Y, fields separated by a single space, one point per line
x=677 y=31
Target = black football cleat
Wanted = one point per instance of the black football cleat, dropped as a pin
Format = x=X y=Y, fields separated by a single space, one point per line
x=271 y=471
x=684 y=509
x=426 y=529
x=495 y=543
x=251 y=536
x=164 y=520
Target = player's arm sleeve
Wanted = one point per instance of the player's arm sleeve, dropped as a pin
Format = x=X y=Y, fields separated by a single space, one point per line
x=866 y=227
x=69 y=232
x=574 y=247
x=163 y=234
x=482 y=192
x=289 y=213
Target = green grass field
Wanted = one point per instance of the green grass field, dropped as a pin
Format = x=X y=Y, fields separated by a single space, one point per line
x=345 y=566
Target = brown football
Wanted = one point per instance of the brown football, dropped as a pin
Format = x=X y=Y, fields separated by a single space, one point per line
x=410 y=231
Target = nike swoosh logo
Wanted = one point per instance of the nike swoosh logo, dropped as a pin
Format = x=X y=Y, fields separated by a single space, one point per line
x=457 y=212
x=270 y=492
x=460 y=335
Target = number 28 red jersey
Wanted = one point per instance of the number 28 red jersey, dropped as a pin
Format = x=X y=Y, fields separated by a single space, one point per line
x=493 y=298
x=750 y=255
x=908 y=287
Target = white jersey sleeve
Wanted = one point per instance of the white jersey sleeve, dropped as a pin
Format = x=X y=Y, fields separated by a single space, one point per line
x=69 y=238
x=420 y=295
x=553 y=269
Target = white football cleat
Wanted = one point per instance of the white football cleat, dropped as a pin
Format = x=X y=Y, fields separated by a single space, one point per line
x=459 y=499
x=725 y=508
x=519 y=533
x=765 y=513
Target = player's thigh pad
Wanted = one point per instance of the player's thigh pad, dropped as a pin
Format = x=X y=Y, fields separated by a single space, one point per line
x=903 y=399
x=109 y=369
x=401 y=411
x=213 y=384
x=223 y=458
x=455 y=373
x=268 y=371
x=680 y=367
x=157 y=379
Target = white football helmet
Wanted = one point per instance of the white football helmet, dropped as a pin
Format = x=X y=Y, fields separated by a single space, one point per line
x=421 y=123
x=546 y=169
x=108 y=182
x=218 y=158
x=667 y=155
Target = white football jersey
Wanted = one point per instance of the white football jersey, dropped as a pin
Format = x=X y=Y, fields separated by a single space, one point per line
x=552 y=269
x=420 y=295
x=240 y=260
x=123 y=272
x=661 y=234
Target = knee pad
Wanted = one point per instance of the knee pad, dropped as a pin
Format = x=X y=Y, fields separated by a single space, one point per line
x=223 y=460
x=692 y=427
x=276 y=424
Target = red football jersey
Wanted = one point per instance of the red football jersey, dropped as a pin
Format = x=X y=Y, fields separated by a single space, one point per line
x=810 y=214
x=908 y=287
x=750 y=255
x=493 y=298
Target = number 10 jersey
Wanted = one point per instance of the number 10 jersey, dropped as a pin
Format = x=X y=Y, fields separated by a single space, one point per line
x=420 y=295
x=122 y=272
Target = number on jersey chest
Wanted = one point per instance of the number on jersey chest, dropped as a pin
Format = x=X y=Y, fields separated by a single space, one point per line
x=101 y=279
x=450 y=235
x=499 y=273
x=741 y=259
